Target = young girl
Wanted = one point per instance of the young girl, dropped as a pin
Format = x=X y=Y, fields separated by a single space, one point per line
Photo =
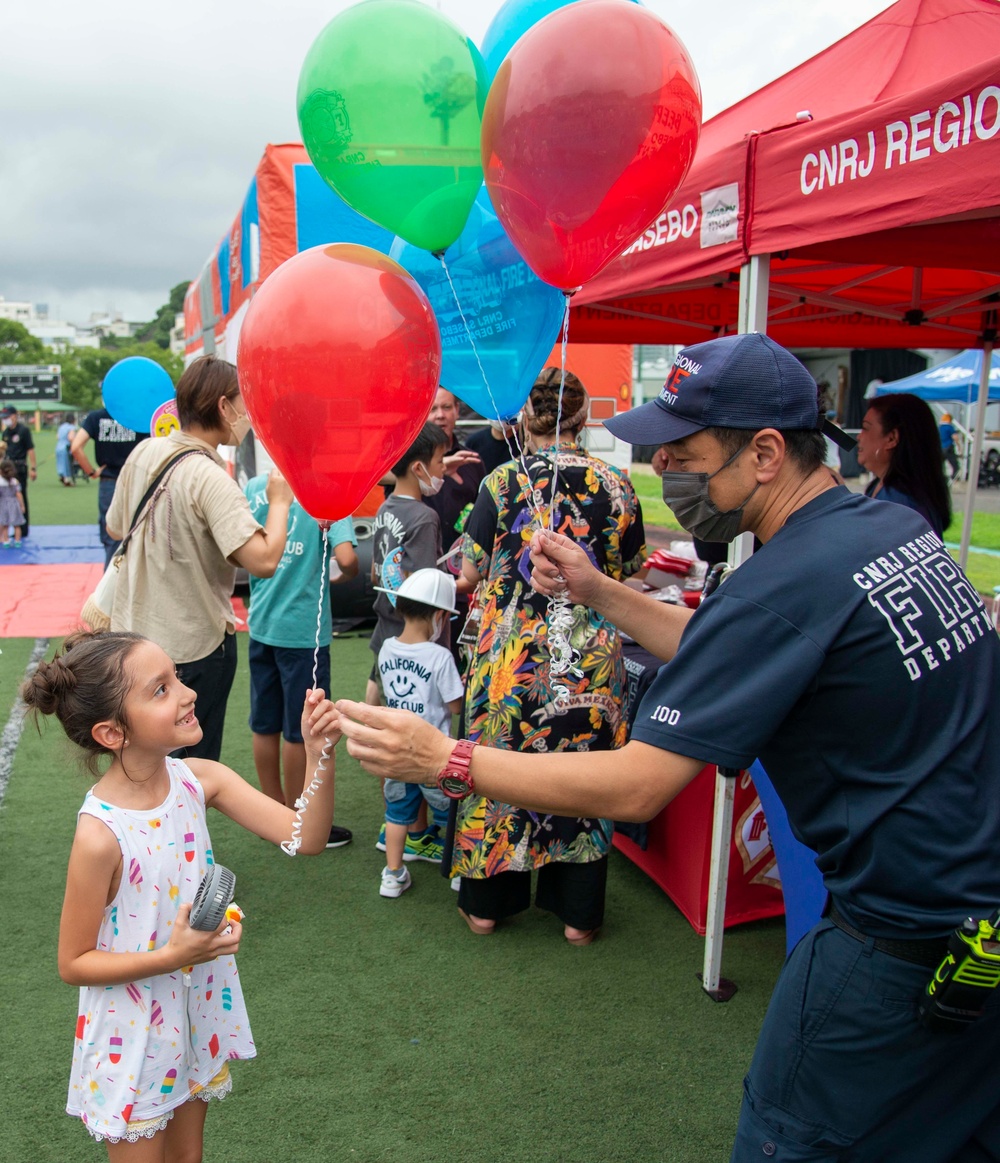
x=161 y=1009
x=11 y=502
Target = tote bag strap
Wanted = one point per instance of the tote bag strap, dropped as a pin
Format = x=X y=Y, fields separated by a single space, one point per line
x=141 y=508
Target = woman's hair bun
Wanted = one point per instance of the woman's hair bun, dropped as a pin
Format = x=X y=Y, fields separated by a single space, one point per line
x=544 y=412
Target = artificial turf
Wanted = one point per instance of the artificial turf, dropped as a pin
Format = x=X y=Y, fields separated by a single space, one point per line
x=385 y=1029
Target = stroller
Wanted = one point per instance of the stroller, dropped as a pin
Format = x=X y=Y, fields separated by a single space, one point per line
x=989 y=470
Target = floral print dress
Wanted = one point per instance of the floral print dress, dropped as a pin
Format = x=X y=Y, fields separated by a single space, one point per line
x=510 y=695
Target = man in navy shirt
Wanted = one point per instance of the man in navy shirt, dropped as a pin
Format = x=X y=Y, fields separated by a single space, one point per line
x=112 y=445
x=856 y=660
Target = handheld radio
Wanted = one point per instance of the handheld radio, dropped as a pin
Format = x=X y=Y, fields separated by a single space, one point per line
x=957 y=993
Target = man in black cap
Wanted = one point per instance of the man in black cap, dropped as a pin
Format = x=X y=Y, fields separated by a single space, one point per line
x=854 y=658
x=21 y=450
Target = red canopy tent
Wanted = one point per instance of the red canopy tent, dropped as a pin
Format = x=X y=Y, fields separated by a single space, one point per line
x=853 y=202
x=868 y=174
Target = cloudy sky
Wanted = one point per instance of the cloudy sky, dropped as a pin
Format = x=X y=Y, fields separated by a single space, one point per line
x=129 y=131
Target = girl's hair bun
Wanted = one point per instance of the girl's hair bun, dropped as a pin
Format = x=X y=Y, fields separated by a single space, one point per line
x=87 y=683
x=46 y=689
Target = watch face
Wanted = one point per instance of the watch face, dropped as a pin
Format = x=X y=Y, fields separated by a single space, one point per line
x=454 y=784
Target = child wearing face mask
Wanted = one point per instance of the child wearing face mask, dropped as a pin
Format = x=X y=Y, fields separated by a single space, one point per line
x=417 y=675
x=407 y=537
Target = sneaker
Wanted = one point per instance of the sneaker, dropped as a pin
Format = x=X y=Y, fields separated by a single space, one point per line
x=394 y=883
x=339 y=837
x=427 y=846
x=380 y=842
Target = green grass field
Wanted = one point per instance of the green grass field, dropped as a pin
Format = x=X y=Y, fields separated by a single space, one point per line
x=385 y=1029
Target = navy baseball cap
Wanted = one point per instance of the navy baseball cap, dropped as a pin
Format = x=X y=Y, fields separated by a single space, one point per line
x=5 y=412
x=738 y=381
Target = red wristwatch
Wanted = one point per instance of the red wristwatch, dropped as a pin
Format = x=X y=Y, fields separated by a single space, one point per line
x=455 y=779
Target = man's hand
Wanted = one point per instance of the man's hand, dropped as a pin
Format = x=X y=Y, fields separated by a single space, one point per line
x=453 y=463
x=560 y=566
x=393 y=744
x=278 y=489
x=33 y=473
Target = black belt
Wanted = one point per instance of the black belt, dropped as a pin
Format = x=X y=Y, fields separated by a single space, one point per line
x=927 y=951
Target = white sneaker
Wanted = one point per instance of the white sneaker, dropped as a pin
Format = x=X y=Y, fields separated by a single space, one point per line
x=395 y=883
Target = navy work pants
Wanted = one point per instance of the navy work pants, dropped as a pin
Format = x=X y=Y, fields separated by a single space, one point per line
x=845 y=1071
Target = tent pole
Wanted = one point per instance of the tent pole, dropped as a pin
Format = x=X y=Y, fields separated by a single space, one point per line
x=755 y=277
x=977 y=450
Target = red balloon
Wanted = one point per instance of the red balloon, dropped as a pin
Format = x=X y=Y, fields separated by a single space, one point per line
x=589 y=128
x=338 y=359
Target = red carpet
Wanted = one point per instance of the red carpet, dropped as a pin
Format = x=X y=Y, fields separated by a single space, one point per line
x=44 y=601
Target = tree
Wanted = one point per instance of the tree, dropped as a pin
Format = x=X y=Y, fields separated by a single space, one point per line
x=18 y=345
x=158 y=331
x=84 y=369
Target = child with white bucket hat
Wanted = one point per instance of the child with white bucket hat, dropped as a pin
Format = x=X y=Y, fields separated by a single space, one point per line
x=417 y=675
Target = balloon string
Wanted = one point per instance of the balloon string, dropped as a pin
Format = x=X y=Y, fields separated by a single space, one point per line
x=291 y=847
x=563 y=658
x=516 y=450
x=559 y=409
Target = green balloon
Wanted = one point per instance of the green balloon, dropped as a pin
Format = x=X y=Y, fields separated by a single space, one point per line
x=390 y=101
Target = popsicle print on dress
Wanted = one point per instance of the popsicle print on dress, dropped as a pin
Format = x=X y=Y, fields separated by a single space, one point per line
x=135 y=874
x=135 y=995
x=115 y=1048
x=168 y=1081
x=189 y=846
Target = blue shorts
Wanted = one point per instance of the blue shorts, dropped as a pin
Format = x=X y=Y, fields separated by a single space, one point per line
x=279 y=679
x=402 y=802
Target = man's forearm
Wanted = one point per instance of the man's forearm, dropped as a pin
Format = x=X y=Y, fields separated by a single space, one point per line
x=656 y=626
x=631 y=784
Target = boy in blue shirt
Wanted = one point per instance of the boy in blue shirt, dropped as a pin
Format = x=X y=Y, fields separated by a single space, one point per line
x=282 y=625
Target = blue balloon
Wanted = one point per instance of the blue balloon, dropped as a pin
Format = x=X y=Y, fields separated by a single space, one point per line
x=514 y=318
x=133 y=390
x=511 y=23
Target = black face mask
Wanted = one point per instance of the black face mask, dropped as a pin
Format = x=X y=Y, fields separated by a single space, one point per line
x=686 y=495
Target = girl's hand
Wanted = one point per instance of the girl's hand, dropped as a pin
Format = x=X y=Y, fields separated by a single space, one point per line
x=195 y=946
x=320 y=721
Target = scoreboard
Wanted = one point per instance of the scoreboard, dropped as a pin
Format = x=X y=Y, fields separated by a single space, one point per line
x=23 y=381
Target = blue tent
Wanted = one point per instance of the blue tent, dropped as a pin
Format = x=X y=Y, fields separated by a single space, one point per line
x=955 y=379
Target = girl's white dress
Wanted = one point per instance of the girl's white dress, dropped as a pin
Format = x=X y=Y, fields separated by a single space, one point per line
x=144 y=1048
